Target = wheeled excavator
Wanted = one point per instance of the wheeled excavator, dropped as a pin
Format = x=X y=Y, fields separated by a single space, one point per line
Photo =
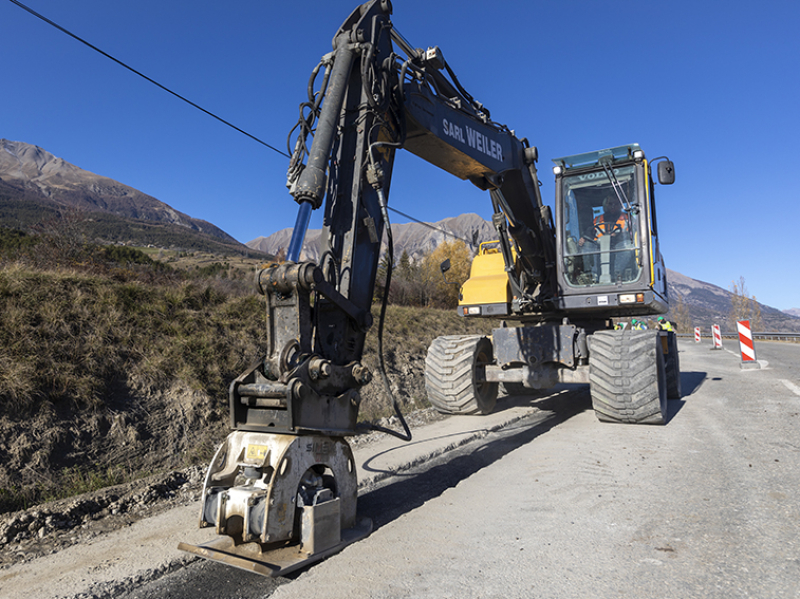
x=281 y=490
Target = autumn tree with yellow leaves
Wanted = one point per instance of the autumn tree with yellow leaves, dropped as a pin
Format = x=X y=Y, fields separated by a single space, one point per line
x=443 y=288
x=422 y=283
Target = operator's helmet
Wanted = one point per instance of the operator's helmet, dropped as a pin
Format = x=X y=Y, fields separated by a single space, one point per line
x=633 y=321
x=611 y=204
x=660 y=319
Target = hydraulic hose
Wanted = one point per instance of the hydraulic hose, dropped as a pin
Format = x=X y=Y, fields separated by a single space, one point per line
x=384 y=302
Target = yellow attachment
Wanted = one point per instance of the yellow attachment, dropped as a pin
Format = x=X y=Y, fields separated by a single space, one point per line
x=488 y=281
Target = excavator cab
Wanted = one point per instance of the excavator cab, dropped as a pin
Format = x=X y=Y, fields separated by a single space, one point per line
x=606 y=234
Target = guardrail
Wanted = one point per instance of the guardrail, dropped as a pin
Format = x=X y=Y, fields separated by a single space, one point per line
x=791 y=337
x=777 y=336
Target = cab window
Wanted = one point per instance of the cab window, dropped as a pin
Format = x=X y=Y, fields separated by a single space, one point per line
x=601 y=228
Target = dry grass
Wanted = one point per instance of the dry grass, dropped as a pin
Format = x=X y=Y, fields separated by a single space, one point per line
x=80 y=345
x=67 y=336
x=413 y=329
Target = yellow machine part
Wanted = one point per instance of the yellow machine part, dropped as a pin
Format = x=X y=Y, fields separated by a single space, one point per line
x=488 y=281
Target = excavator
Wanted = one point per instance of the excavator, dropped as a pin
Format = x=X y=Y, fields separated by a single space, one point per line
x=281 y=490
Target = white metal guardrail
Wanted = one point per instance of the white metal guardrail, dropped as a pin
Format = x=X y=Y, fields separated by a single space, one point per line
x=793 y=337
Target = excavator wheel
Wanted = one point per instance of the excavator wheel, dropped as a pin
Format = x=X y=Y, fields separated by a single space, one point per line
x=627 y=377
x=455 y=376
x=673 y=368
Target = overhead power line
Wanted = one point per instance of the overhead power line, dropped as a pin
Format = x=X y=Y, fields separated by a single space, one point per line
x=143 y=76
x=430 y=226
x=200 y=108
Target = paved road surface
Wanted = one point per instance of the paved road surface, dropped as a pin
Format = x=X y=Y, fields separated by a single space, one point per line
x=704 y=507
x=556 y=504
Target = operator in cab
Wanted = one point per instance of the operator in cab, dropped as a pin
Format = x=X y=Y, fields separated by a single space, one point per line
x=611 y=222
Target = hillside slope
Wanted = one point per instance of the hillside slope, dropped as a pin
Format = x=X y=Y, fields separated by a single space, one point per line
x=710 y=304
x=113 y=376
x=36 y=186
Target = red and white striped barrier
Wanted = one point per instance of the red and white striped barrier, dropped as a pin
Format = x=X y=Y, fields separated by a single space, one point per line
x=746 y=344
x=716 y=337
x=697 y=334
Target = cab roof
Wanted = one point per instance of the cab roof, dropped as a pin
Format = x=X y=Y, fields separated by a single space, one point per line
x=598 y=156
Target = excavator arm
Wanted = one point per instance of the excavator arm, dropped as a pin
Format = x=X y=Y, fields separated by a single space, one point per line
x=377 y=95
x=457 y=134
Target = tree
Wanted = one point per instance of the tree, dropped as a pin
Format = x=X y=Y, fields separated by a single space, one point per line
x=406 y=288
x=441 y=293
x=744 y=307
x=380 y=277
x=62 y=239
x=681 y=315
x=405 y=267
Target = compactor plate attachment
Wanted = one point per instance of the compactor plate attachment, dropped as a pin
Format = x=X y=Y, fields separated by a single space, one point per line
x=279 y=502
x=278 y=561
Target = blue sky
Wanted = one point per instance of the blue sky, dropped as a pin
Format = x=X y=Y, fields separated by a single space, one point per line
x=715 y=85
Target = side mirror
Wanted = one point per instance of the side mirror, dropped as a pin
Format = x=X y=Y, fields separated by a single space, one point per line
x=666 y=172
x=445 y=266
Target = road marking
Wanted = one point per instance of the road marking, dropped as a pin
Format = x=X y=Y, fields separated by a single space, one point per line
x=791 y=386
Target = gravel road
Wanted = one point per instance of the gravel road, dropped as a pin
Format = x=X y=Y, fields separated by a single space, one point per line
x=537 y=500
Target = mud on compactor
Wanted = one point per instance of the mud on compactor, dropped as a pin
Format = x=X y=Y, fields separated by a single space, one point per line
x=281 y=490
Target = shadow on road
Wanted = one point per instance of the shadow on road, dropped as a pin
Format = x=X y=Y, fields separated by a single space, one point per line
x=411 y=489
x=536 y=399
x=673 y=407
x=532 y=397
x=691 y=381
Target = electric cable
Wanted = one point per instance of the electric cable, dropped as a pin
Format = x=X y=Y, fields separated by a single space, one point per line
x=143 y=76
x=430 y=226
x=406 y=436
x=201 y=109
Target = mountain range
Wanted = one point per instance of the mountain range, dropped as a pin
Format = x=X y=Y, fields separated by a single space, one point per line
x=418 y=239
x=36 y=185
x=707 y=303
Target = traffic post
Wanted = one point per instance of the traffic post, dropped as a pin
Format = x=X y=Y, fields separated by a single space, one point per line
x=748 y=348
x=697 y=334
x=716 y=337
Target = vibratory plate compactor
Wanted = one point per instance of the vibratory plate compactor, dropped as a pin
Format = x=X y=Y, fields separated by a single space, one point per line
x=281 y=502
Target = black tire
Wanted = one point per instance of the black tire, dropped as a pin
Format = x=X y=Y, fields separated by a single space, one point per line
x=455 y=378
x=673 y=368
x=627 y=377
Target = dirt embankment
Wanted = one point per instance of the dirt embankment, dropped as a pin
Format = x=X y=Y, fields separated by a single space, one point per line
x=63 y=449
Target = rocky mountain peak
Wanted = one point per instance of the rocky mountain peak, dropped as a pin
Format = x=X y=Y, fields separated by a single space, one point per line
x=36 y=171
x=417 y=239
